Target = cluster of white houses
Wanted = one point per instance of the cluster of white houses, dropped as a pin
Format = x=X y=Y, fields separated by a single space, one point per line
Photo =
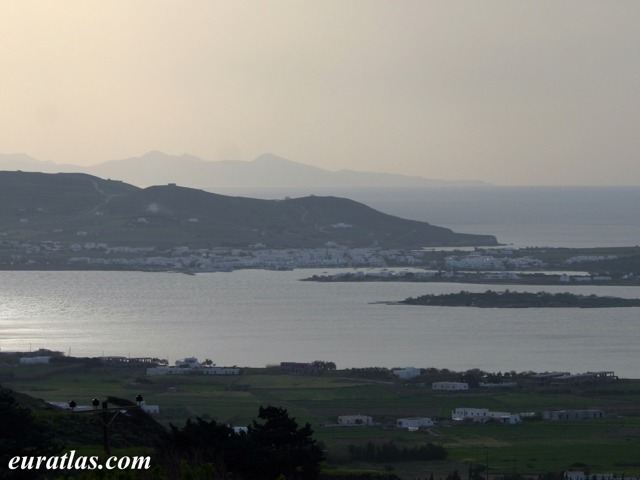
x=190 y=366
x=483 y=415
x=548 y=378
x=566 y=378
x=475 y=415
x=411 y=423
x=475 y=261
x=226 y=259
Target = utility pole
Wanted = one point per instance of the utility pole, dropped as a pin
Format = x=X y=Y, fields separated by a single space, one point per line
x=105 y=427
x=487 y=451
x=107 y=419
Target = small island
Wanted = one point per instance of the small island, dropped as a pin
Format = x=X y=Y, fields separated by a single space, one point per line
x=508 y=299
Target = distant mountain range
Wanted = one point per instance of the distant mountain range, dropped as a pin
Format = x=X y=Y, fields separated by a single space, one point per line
x=75 y=207
x=268 y=171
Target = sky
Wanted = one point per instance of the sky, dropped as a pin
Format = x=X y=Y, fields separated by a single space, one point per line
x=521 y=92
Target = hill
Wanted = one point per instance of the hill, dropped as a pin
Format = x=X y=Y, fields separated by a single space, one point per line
x=63 y=207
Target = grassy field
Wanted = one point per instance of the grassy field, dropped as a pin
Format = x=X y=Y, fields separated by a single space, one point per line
x=607 y=445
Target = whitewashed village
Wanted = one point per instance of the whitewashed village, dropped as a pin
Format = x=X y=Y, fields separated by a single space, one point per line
x=503 y=263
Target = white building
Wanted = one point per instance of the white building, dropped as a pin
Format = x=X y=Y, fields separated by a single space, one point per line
x=220 y=371
x=482 y=415
x=475 y=414
x=150 y=409
x=498 y=385
x=355 y=420
x=574 y=475
x=407 y=373
x=450 y=386
x=506 y=418
x=588 y=414
x=189 y=362
x=34 y=360
x=191 y=365
x=414 y=422
x=577 y=475
x=164 y=370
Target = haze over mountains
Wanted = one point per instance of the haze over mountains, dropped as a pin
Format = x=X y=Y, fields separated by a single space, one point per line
x=267 y=171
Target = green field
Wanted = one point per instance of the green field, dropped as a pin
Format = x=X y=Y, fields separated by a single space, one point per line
x=536 y=446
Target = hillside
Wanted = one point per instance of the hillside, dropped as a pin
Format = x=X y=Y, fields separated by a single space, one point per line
x=63 y=207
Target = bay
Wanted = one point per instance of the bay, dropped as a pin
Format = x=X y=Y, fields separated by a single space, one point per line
x=255 y=318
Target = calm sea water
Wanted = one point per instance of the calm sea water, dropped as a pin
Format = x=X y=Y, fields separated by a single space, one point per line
x=527 y=216
x=254 y=318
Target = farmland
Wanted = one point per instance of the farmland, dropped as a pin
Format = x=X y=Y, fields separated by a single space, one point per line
x=611 y=444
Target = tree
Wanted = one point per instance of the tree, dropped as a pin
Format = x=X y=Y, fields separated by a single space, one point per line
x=323 y=366
x=454 y=476
x=273 y=446
x=476 y=471
x=20 y=435
x=201 y=442
x=277 y=446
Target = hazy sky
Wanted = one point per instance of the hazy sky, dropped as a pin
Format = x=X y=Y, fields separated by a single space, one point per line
x=510 y=92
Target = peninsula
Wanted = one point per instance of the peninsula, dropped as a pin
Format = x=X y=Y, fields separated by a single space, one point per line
x=67 y=220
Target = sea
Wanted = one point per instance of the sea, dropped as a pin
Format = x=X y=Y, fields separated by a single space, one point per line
x=254 y=318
